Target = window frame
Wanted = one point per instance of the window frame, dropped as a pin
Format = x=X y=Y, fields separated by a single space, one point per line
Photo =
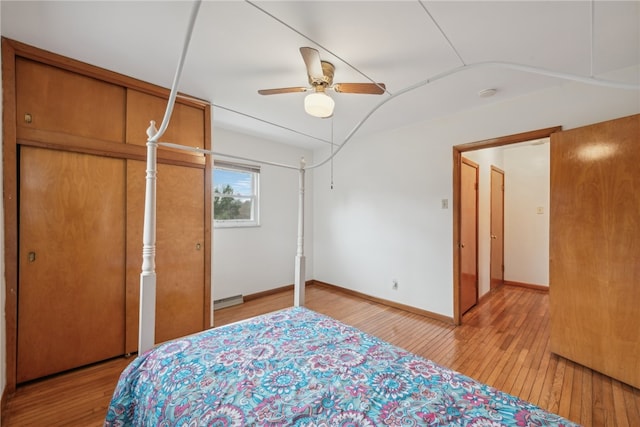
x=255 y=197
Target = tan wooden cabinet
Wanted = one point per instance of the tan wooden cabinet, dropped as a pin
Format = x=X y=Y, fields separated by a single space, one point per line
x=78 y=134
x=53 y=99
x=185 y=128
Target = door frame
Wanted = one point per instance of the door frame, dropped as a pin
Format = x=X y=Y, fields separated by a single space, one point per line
x=457 y=169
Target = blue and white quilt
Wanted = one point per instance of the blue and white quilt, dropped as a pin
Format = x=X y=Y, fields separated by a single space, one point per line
x=297 y=367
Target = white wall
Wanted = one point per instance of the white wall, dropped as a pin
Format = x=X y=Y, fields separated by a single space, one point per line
x=526 y=246
x=485 y=159
x=255 y=259
x=384 y=218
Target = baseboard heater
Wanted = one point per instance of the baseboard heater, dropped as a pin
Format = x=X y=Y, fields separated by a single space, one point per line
x=228 y=302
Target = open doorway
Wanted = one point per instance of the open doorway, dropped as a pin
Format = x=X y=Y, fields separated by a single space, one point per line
x=484 y=262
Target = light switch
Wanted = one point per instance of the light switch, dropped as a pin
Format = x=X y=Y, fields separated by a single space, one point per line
x=539 y=210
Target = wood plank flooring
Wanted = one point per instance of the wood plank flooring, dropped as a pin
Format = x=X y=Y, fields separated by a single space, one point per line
x=503 y=342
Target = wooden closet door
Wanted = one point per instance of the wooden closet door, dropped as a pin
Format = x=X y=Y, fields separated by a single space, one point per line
x=71 y=261
x=594 y=290
x=180 y=263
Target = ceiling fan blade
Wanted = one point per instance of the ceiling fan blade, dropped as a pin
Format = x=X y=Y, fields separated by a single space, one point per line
x=366 y=88
x=282 y=90
x=312 y=61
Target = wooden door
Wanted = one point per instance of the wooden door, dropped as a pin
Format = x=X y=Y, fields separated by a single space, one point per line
x=497 y=227
x=594 y=249
x=71 y=261
x=180 y=262
x=468 y=235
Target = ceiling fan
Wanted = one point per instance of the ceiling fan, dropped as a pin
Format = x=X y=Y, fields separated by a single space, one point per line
x=320 y=76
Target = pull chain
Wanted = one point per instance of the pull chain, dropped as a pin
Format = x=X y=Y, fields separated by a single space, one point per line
x=332 y=153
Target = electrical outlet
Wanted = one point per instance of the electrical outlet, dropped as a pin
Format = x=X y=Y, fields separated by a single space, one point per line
x=445 y=203
x=395 y=284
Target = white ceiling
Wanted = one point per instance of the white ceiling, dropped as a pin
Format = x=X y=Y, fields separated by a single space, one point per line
x=239 y=47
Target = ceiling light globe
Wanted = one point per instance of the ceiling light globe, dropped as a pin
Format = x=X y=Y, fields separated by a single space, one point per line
x=319 y=104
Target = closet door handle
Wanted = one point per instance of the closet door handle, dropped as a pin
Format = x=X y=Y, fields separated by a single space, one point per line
x=31 y=257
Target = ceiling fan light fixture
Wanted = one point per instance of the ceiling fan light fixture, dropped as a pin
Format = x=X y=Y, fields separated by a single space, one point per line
x=319 y=104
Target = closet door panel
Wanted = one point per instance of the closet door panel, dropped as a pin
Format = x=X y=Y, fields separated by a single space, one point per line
x=594 y=247
x=186 y=126
x=180 y=261
x=71 y=261
x=52 y=99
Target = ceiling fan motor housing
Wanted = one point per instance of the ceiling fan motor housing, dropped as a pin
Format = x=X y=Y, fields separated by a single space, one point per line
x=327 y=79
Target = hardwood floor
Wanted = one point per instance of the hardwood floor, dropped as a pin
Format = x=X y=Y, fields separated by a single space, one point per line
x=503 y=342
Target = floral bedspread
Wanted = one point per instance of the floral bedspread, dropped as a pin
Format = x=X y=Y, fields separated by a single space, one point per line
x=299 y=368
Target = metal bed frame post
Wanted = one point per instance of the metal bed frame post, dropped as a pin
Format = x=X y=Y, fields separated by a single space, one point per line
x=300 y=278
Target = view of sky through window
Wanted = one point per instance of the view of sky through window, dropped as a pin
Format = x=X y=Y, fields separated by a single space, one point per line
x=241 y=182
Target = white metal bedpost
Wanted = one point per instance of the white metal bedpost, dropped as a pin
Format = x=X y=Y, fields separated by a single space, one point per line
x=299 y=285
x=147 y=316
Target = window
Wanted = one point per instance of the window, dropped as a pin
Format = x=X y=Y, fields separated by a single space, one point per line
x=235 y=194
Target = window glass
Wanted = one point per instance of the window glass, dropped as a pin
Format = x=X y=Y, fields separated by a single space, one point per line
x=235 y=199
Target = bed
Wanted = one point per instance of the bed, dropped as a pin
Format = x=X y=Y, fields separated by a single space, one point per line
x=296 y=367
